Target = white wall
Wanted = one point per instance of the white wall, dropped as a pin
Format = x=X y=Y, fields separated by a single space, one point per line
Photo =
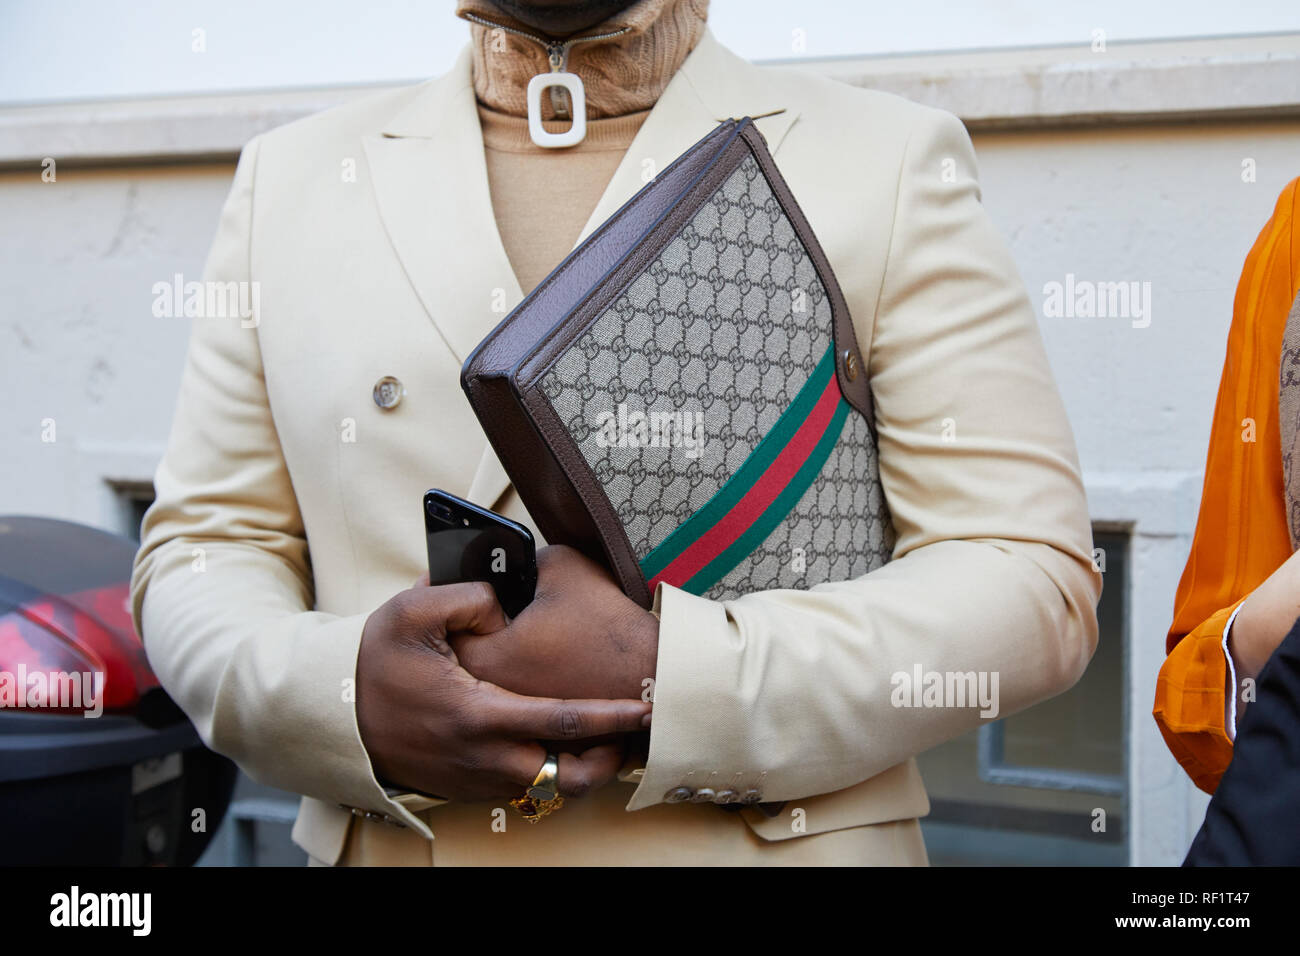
x=78 y=258
x=1163 y=205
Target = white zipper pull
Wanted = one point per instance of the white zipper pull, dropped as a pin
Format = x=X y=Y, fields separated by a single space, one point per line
x=559 y=81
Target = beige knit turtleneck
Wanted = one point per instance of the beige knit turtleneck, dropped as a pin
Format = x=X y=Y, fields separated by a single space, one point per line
x=543 y=197
x=622 y=75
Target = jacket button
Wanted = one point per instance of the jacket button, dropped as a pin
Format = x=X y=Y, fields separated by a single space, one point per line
x=704 y=795
x=726 y=796
x=678 y=795
x=388 y=393
x=751 y=796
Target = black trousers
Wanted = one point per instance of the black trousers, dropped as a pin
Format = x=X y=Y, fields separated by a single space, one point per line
x=1254 y=818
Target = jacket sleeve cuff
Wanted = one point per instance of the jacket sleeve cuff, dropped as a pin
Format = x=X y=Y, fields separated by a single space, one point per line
x=391 y=805
x=315 y=710
x=697 y=652
x=1190 y=707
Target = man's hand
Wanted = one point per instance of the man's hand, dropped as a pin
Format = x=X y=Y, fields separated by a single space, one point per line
x=431 y=726
x=581 y=636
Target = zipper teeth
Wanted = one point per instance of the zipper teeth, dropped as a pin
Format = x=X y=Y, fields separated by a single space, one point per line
x=562 y=46
x=598 y=36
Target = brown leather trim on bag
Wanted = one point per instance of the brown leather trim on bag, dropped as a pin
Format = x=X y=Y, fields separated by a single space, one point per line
x=618 y=549
x=554 y=504
x=586 y=266
x=557 y=342
x=534 y=446
x=856 y=391
x=540 y=457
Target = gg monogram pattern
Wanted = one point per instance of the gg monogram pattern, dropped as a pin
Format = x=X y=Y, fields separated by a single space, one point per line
x=1289 y=419
x=673 y=386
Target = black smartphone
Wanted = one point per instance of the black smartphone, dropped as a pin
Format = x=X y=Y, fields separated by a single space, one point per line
x=469 y=543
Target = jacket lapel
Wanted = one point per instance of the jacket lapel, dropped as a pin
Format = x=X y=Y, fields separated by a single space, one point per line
x=431 y=185
x=430 y=182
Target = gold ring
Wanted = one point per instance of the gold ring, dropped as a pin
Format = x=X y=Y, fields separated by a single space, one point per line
x=542 y=796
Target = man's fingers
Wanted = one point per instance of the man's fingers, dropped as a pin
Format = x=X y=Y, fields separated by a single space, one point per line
x=578 y=774
x=422 y=580
x=470 y=606
x=544 y=718
x=476 y=609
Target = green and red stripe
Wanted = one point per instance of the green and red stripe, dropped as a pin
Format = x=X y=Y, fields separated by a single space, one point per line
x=762 y=492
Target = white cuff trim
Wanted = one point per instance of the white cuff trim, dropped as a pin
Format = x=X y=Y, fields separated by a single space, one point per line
x=1231 y=726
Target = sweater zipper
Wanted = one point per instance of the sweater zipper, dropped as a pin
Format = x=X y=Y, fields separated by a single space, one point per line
x=557 y=54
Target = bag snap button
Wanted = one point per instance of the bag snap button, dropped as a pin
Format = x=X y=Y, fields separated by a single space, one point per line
x=850 y=365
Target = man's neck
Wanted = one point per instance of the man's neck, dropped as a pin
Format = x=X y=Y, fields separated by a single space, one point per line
x=622 y=74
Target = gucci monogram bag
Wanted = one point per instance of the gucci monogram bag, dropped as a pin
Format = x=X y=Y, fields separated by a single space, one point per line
x=683 y=397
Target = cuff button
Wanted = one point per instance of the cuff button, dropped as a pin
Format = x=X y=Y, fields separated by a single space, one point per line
x=678 y=795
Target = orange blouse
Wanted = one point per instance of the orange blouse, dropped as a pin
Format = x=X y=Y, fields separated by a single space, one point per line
x=1241 y=531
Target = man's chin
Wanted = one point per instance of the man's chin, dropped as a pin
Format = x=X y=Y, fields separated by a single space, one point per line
x=560 y=18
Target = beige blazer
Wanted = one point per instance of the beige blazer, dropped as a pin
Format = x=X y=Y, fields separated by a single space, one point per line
x=289 y=501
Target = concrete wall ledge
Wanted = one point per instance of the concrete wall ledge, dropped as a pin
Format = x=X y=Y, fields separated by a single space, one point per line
x=1213 y=79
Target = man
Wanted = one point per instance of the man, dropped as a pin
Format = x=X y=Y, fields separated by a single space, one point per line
x=298 y=494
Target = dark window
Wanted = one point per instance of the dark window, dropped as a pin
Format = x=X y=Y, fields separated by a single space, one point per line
x=1048 y=785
